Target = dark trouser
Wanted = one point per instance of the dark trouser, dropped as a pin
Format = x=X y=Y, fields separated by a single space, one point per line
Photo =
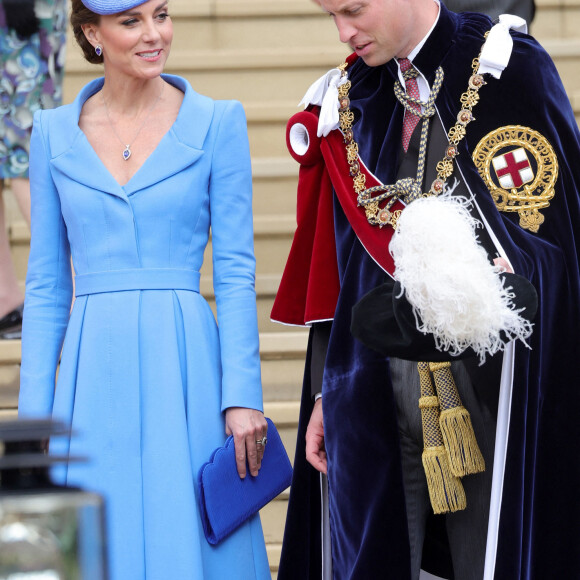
x=466 y=529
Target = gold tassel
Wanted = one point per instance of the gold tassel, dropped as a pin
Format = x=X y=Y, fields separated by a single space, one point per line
x=464 y=455
x=445 y=489
x=458 y=436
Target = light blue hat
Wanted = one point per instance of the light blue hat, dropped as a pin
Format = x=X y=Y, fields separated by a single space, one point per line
x=111 y=6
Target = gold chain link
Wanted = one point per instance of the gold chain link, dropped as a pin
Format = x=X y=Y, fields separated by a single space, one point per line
x=444 y=168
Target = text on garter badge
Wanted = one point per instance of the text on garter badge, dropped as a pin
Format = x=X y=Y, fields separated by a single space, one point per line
x=520 y=169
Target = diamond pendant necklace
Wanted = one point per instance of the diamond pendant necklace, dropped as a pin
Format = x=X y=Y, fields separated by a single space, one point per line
x=127 y=150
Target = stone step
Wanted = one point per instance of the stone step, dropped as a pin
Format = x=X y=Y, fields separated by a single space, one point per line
x=266 y=288
x=275 y=180
x=565 y=53
x=268 y=138
x=9 y=377
x=238 y=24
x=285 y=417
x=241 y=8
x=19 y=236
x=546 y=10
x=282 y=359
x=274 y=184
x=252 y=76
x=239 y=33
x=273 y=517
x=272 y=238
x=556 y=19
x=267 y=116
x=282 y=355
x=246 y=75
x=271 y=251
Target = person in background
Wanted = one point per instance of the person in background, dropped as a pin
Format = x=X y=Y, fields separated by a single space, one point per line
x=525 y=9
x=128 y=179
x=32 y=54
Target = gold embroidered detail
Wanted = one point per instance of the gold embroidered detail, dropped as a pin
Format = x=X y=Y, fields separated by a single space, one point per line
x=520 y=169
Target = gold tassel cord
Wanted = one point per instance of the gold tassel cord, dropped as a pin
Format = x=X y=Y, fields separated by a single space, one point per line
x=465 y=457
x=445 y=489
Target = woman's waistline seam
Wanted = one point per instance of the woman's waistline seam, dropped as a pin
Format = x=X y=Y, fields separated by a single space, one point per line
x=136 y=279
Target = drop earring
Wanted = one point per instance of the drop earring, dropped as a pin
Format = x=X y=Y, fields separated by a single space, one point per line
x=98 y=50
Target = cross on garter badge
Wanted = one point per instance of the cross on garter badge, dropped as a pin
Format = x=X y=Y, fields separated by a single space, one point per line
x=519 y=168
x=513 y=169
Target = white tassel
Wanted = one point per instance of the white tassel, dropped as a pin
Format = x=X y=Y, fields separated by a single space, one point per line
x=456 y=294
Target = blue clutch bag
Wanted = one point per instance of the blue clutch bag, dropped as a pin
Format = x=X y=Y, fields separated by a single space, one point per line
x=226 y=501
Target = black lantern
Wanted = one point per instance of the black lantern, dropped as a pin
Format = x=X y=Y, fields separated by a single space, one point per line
x=47 y=531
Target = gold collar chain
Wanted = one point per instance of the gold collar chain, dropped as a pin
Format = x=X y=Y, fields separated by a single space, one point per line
x=368 y=198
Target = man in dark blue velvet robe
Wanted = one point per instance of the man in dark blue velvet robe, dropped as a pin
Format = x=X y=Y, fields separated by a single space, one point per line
x=534 y=517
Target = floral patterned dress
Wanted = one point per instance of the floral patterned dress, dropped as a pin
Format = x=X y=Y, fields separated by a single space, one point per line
x=31 y=73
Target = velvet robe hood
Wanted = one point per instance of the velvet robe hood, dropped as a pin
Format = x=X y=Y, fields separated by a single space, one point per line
x=535 y=534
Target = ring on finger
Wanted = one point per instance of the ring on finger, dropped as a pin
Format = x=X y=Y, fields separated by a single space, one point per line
x=262 y=441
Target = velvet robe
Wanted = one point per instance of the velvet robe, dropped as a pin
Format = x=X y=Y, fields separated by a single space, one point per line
x=535 y=522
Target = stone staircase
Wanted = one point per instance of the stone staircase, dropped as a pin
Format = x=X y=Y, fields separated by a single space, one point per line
x=265 y=53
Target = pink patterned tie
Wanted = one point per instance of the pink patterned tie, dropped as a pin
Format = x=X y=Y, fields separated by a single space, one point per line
x=412 y=88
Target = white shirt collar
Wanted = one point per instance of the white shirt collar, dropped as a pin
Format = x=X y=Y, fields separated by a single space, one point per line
x=416 y=50
x=424 y=89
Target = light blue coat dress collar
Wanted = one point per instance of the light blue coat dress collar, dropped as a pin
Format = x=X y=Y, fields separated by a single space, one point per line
x=179 y=148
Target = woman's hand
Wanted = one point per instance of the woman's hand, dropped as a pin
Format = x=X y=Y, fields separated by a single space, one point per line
x=248 y=427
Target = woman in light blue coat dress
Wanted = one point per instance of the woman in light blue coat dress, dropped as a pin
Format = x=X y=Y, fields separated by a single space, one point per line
x=127 y=180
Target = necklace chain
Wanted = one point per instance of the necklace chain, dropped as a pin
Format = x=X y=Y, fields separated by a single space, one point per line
x=407 y=189
x=127 y=150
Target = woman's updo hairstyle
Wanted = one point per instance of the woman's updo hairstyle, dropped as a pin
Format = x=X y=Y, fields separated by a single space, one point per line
x=79 y=16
